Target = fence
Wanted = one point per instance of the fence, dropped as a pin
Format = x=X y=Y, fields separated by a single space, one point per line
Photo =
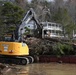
x=64 y=59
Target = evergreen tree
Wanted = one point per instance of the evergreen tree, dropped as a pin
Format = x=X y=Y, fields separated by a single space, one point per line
x=62 y=16
x=12 y=15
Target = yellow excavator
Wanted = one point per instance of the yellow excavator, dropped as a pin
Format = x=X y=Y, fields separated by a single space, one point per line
x=15 y=51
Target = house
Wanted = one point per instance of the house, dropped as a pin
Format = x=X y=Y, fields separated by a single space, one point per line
x=39 y=29
x=74 y=36
x=30 y=22
x=52 y=30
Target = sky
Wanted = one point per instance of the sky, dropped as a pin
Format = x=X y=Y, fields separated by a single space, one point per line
x=29 y=0
x=50 y=0
x=47 y=0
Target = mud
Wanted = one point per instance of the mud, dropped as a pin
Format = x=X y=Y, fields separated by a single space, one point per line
x=41 y=69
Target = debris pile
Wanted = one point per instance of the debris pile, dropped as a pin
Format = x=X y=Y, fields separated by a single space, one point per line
x=6 y=69
x=38 y=46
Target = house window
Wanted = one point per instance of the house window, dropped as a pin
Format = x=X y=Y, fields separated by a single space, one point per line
x=28 y=26
x=53 y=25
x=49 y=24
x=44 y=25
x=56 y=25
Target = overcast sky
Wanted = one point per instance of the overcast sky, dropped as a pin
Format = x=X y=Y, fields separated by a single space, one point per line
x=50 y=0
x=47 y=0
x=29 y=0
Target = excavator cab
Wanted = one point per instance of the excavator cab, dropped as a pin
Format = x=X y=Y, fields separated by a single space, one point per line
x=7 y=37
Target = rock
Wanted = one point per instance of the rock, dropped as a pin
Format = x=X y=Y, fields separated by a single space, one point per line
x=22 y=72
x=60 y=61
x=2 y=66
x=6 y=70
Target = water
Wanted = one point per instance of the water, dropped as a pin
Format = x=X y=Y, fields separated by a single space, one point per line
x=49 y=69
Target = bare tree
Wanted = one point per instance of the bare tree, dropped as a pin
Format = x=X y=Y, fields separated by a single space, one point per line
x=21 y=3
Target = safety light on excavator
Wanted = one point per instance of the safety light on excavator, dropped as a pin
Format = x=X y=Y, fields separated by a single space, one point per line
x=0 y=50
x=11 y=51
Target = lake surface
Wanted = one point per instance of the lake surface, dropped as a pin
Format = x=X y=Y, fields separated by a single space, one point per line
x=42 y=69
x=48 y=69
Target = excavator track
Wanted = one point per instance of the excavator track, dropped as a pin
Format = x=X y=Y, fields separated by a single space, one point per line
x=17 y=60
